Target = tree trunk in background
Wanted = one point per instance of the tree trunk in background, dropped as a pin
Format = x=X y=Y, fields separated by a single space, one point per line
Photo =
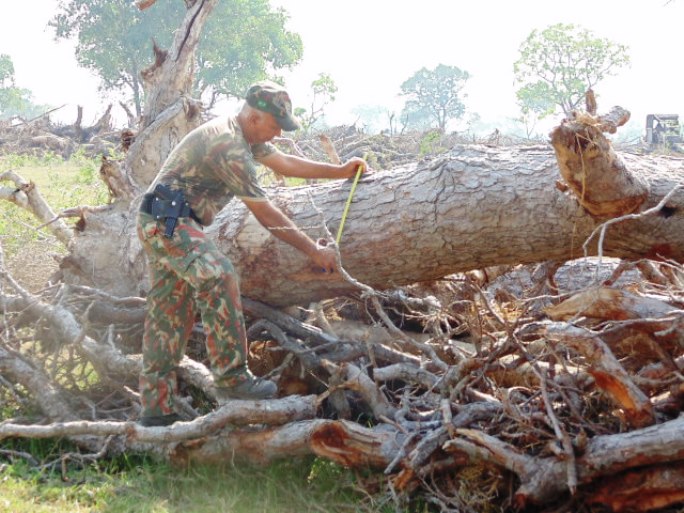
x=107 y=253
x=170 y=112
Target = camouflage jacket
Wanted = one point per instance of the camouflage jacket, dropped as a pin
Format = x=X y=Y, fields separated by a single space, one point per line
x=212 y=164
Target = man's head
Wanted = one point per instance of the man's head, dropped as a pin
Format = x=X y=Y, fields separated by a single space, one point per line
x=272 y=98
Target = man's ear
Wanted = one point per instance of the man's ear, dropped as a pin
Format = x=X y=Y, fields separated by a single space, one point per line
x=254 y=117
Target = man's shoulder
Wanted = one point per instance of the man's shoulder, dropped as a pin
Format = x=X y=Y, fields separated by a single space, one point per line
x=219 y=125
x=219 y=132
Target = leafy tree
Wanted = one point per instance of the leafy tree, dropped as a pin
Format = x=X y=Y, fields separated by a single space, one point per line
x=534 y=105
x=559 y=64
x=243 y=42
x=15 y=101
x=434 y=96
x=324 y=89
x=416 y=116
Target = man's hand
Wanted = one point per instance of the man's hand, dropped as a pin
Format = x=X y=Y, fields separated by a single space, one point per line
x=272 y=218
x=325 y=257
x=349 y=168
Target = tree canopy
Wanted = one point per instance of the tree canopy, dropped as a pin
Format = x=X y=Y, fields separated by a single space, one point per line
x=434 y=96
x=243 y=41
x=559 y=64
x=14 y=101
x=324 y=89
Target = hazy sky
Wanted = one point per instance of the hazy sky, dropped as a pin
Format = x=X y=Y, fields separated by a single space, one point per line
x=370 y=47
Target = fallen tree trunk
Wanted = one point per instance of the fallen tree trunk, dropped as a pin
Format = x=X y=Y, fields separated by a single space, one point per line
x=454 y=216
x=474 y=208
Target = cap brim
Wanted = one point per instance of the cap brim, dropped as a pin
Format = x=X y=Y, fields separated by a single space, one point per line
x=288 y=123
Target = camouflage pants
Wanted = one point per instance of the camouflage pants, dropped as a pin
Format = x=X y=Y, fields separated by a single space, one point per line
x=187 y=272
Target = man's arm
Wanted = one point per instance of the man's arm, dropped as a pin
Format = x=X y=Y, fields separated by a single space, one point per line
x=273 y=219
x=291 y=165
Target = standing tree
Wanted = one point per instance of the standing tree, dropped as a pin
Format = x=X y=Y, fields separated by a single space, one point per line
x=434 y=96
x=324 y=89
x=242 y=42
x=558 y=65
x=534 y=105
x=14 y=101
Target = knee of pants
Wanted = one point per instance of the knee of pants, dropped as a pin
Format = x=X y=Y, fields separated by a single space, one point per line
x=211 y=271
x=161 y=366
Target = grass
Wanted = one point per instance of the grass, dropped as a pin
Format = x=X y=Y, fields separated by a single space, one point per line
x=143 y=486
x=63 y=184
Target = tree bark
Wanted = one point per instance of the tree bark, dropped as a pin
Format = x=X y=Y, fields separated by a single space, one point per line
x=473 y=208
x=477 y=207
x=170 y=110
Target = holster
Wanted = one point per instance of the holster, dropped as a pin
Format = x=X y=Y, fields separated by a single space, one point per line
x=167 y=204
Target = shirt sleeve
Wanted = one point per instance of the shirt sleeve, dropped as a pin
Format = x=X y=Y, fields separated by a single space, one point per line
x=263 y=150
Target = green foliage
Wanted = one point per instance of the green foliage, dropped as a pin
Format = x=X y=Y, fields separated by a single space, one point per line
x=139 y=484
x=558 y=65
x=15 y=101
x=114 y=38
x=324 y=89
x=434 y=96
x=243 y=41
x=430 y=143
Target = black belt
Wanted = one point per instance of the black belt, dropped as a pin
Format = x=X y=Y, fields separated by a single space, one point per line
x=167 y=204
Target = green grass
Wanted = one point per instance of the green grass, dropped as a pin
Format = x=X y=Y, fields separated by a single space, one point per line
x=145 y=486
x=63 y=184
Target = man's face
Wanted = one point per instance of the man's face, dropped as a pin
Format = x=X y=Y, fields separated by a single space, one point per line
x=262 y=128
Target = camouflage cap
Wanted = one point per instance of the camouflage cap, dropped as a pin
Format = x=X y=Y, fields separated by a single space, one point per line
x=273 y=98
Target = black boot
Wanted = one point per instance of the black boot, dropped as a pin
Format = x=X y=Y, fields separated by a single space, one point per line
x=159 y=420
x=253 y=388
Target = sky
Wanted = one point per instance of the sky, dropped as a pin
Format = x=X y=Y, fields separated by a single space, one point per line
x=370 y=47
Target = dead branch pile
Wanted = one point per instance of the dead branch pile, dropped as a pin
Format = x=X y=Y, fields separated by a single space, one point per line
x=478 y=395
x=385 y=151
x=40 y=135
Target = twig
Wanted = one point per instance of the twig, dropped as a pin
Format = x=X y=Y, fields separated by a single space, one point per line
x=561 y=434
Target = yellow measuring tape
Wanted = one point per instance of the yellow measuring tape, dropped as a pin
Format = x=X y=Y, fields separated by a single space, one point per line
x=346 y=207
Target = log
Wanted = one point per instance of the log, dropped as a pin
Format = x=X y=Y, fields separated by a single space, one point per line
x=609 y=375
x=478 y=207
x=473 y=208
x=646 y=489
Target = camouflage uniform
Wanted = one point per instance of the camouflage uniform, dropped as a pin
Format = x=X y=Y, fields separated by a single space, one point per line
x=212 y=164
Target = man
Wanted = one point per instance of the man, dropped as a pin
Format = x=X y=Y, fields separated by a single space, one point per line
x=211 y=165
